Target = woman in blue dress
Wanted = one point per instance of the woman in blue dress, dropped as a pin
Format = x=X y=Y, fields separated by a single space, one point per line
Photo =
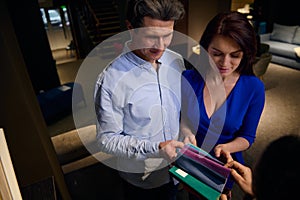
x=222 y=104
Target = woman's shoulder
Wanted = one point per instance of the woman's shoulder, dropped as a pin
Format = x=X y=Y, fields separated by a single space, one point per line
x=250 y=79
x=252 y=83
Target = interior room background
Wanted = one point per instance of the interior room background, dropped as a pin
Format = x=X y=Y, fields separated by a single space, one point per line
x=28 y=67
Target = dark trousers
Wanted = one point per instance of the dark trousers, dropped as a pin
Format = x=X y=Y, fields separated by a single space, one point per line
x=164 y=192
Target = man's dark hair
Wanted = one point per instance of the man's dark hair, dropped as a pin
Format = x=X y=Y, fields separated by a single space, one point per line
x=157 y=9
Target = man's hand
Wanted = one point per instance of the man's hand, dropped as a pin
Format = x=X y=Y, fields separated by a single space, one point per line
x=242 y=176
x=168 y=149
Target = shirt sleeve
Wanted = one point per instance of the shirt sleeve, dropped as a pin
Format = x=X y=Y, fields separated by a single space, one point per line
x=110 y=135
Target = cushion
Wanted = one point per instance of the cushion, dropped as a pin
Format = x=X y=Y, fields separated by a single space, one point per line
x=283 y=33
x=297 y=51
x=296 y=38
x=283 y=49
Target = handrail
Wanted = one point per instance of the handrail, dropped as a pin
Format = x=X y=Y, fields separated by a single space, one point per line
x=91 y=18
x=93 y=13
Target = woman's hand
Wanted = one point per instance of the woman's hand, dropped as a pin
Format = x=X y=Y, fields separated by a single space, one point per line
x=222 y=153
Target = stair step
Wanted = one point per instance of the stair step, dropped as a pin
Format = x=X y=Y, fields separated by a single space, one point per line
x=109 y=23
x=110 y=29
x=104 y=9
x=102 y=36
x=101 y=3
x=104 y=30
x=107 y=14
x=109 y=26
x=104 y=18
x=107 y=35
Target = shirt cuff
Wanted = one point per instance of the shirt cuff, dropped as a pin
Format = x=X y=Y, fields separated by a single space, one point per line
x=153 y=148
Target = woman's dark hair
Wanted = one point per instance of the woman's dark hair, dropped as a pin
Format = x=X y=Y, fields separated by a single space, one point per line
x=237 y=27
x=158 y=9
x=277 y=173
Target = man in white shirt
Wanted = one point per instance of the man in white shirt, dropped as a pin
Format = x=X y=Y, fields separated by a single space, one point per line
x=137 y=101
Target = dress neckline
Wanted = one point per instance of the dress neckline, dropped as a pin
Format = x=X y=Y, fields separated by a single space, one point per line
x=225 y=101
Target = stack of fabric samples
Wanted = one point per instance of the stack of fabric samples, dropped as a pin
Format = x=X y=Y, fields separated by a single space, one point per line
x=205 y=175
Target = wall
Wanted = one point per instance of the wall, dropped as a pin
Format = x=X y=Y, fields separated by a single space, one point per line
x=282 y=11
x=200 y=12
x=235 y=4
x=30 y=147
x=32 y=39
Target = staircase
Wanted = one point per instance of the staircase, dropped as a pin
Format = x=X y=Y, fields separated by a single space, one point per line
x=102 y=21
x=108 y=16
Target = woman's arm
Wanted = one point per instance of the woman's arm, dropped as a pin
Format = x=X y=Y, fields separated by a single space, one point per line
x=236 y=145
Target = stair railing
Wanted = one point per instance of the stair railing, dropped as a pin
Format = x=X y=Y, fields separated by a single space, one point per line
x=92 y=22
x=95 y=19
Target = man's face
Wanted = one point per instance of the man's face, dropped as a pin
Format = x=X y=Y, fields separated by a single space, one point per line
x=150 y=41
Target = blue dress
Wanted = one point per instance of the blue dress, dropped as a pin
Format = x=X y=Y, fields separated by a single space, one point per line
x=238 y=116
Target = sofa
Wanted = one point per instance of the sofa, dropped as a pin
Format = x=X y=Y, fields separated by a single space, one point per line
x=284 y=42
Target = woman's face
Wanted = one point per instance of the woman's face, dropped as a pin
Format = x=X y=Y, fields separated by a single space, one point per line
x=226 y=54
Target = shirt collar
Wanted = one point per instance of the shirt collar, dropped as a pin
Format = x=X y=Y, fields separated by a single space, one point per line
x=136 y=59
